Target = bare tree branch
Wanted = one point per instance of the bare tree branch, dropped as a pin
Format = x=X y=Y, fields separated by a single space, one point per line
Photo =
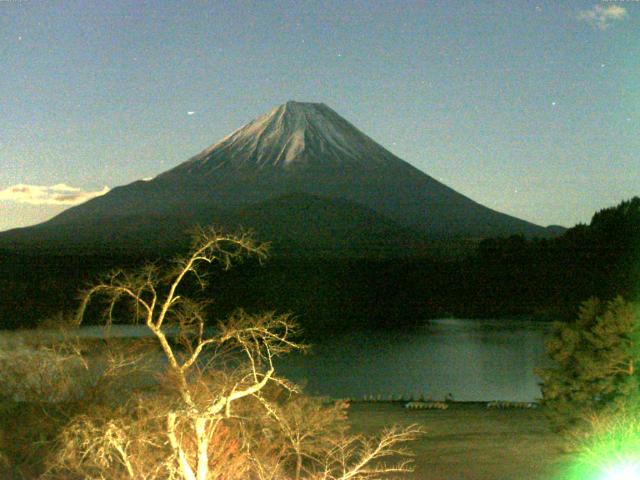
x=220 y=411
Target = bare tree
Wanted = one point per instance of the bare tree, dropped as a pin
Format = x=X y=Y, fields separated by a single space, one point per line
x=219 y=411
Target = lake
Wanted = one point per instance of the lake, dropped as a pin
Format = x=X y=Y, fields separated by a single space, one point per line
x=473 y=360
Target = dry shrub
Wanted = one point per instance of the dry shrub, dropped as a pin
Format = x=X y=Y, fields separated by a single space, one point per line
x=5 y=464
x=42 y=367
x=280 y=436
x=28 y=430
x=125 y=442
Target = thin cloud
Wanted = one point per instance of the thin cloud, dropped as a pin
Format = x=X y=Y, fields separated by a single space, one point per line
x=58 y=194
x=602 y=17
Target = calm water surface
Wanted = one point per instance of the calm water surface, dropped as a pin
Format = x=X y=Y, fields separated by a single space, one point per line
x=471 y=359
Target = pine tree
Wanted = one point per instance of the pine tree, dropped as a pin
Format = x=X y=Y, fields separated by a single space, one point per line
x=595 y=363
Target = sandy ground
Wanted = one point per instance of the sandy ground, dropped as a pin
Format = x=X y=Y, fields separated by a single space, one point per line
x=471 y=442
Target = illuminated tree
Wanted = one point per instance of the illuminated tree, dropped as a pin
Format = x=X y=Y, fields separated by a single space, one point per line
x=218 y=409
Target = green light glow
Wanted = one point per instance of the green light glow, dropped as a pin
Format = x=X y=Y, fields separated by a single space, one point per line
x=611 y=451
x=624 y=471
x=611 y=468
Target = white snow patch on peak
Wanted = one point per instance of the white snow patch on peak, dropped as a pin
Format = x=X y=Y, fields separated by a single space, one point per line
x=312 y=132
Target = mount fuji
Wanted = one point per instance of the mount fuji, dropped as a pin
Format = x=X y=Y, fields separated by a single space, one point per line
x=299 y=175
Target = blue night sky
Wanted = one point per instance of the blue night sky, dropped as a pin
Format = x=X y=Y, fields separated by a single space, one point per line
x=531 y=108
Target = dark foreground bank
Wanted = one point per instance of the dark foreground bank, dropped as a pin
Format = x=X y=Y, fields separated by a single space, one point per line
x=471 y=442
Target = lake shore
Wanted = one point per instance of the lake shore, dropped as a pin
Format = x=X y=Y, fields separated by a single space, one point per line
x=470 y=442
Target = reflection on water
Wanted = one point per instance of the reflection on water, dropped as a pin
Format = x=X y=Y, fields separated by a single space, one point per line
x=471 y=359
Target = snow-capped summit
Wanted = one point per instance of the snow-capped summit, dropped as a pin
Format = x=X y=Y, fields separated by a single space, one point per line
x=293 y=134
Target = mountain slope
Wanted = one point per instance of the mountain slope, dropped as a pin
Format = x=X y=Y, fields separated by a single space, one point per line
x=297 y=224
x=309 y=225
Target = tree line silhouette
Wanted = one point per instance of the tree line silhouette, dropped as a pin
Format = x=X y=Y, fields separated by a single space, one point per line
x=502 y=277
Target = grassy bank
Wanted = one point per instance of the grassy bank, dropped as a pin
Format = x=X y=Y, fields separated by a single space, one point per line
x=471 y=442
